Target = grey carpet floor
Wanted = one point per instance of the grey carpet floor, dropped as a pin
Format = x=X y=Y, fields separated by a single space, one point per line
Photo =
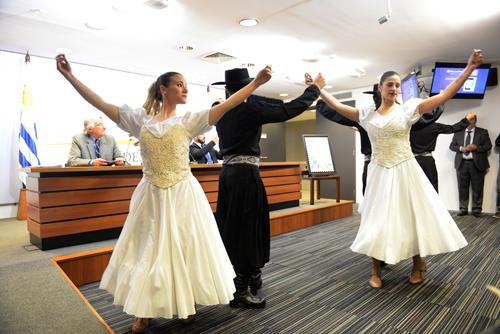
x=315 y=284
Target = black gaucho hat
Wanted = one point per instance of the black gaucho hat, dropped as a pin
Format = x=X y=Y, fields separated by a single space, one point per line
x=372 y=92
x=235 y=76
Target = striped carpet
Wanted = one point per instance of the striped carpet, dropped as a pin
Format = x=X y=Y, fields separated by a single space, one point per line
x=315 y=284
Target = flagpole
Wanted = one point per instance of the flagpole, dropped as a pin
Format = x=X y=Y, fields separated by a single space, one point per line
x=22 y=207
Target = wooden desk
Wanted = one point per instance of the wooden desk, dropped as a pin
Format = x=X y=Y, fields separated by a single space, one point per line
x=74 y=205
x=318 y=179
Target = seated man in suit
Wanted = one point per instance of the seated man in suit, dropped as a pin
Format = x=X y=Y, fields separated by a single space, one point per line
x=204 y=153
x=471 y=161
x=93 y=147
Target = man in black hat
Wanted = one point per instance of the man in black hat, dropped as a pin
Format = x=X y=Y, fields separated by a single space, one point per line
x=242 y=209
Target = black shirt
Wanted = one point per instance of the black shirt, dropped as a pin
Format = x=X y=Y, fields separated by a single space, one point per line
x=240 y=128
x=334 y=116
x=423 y=139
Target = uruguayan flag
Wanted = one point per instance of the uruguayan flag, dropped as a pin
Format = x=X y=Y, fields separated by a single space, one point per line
x=28 y=137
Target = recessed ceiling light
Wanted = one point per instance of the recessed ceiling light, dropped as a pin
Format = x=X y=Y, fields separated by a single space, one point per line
x=283 y=94
x=249 y=22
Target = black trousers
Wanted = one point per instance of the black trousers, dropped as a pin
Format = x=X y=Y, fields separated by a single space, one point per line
x=365 y=173
x=243 y=217
x=428 y=165
x=468 y=176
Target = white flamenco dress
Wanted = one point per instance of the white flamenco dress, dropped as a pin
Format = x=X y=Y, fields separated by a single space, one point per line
x=169 y=255
x=401 y=214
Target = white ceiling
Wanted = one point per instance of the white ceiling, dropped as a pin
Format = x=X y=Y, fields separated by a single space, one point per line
x=340 y=34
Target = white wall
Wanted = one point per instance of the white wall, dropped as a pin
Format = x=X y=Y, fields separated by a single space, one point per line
x=61 y=111
x=488 y=113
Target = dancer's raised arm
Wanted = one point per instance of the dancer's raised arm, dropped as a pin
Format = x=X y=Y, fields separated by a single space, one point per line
x=108 y=109
x=343 y=109
x=475 y=60
x=241 y=95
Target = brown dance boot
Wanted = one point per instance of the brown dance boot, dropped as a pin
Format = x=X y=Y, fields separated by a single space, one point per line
x=140 y=325
x=418 y=272
x=190 y=319
x=375 y=278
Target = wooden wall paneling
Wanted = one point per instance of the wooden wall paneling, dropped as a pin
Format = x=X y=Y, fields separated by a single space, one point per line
x=61 y=198
x=48 y=230
x=54 y=214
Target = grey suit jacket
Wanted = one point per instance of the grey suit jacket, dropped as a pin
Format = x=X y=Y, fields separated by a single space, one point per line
x=82 y=150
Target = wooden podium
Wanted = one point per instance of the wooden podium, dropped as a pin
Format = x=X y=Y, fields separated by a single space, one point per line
x=75 y=205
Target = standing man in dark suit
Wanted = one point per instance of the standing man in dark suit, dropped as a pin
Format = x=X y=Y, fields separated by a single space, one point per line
x=242 y=209
x=204 y=153
x=471 y=161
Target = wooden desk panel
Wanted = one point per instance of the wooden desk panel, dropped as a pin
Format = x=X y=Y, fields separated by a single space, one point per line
x=74 y=205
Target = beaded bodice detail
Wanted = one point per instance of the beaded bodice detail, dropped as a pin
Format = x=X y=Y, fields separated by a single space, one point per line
x=166 y=158
x=391 y=142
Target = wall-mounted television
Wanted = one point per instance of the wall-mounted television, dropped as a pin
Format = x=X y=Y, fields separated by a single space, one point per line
x=409 y=87
x=473 y=88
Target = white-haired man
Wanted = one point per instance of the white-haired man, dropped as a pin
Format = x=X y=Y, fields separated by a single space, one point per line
x=93 y=147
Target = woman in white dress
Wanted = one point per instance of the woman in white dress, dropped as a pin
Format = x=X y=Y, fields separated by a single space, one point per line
x=402 y=216
x=169 y=255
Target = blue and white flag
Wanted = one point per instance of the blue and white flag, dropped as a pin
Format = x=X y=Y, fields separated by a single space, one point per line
x=28 y=137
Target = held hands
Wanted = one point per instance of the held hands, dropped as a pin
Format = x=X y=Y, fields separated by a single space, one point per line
x=119 y=162
x=99 y=162
x=63 y=65
x=471 y=147
x=470 y=116
x=264 y=75
x=476 y=59
x=318 y=81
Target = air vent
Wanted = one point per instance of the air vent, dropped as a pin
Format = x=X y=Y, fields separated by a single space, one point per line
x=217 y=57
x=343 y=96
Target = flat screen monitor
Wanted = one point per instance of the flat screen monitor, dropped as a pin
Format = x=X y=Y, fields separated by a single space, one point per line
x=409 y=87
x=319 y=155
x=473 y=88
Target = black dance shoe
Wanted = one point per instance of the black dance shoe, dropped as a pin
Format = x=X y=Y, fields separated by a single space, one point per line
x=247 y=300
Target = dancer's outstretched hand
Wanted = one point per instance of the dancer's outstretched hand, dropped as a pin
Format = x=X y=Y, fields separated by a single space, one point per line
x=318 y=81
x=470 y=116
x=264 y=75
x=63 y=65
x=476 y=59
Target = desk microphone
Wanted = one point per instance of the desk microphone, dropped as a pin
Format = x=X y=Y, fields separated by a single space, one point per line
x=128 y=146
x=192 y=160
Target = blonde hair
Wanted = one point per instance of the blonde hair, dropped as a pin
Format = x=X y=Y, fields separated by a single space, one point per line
x=153 y=102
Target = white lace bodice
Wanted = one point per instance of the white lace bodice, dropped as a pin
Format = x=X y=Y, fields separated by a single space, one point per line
x=164 y=145
x=390 y=135
x=166 y=158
